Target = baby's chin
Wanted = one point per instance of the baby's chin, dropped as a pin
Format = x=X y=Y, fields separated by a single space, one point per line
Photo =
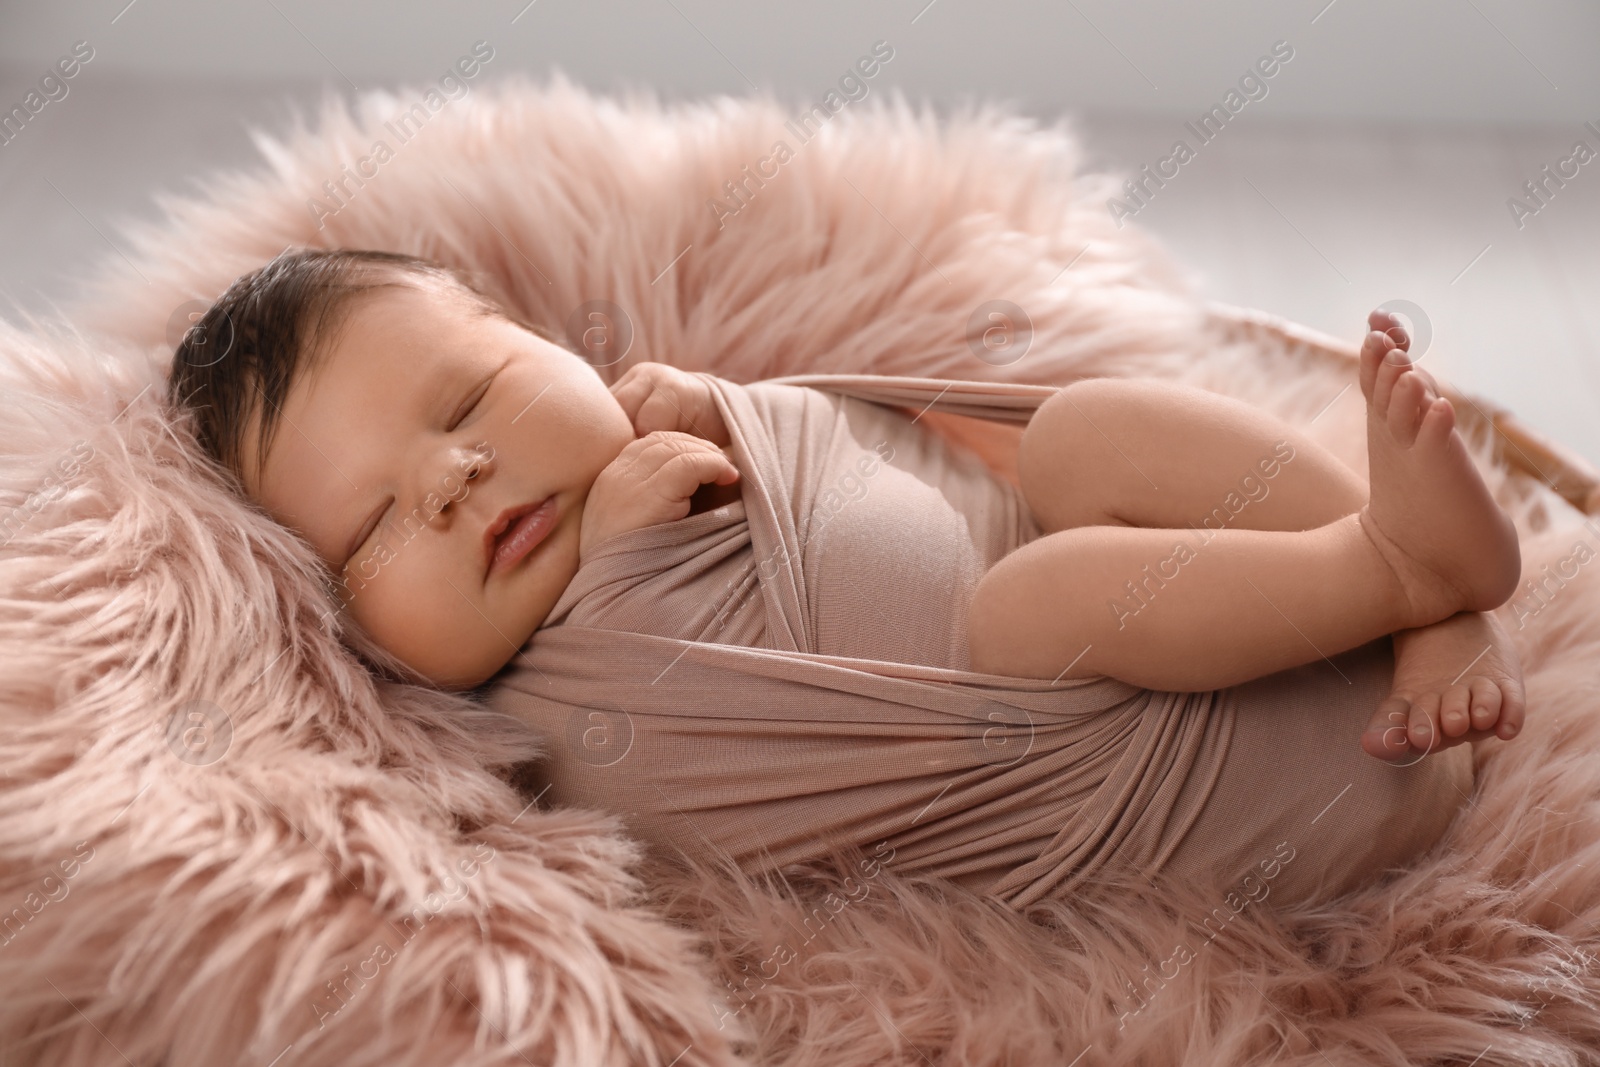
x=466 y=679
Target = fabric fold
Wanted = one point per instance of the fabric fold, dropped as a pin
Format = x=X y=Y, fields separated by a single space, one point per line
x=764 y=678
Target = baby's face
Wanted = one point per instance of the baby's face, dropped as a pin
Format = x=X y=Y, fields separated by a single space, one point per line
x=370 y=458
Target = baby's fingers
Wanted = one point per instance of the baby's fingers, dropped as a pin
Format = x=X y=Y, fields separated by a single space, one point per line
x=661 y=410
x=682 y=474
x=635 y=385
x=673 y=465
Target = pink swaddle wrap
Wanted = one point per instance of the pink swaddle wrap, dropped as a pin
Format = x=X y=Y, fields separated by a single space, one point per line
x=791 y=668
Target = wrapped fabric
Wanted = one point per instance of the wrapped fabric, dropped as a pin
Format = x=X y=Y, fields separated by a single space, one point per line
x=757 y=680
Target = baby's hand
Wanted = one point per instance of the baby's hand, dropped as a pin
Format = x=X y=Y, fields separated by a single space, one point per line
x=650 y=482
x=659 y=397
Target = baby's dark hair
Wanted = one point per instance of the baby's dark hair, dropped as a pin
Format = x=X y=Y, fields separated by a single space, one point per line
x=245 y=352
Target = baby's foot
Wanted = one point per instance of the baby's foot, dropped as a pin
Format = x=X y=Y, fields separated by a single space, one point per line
x=1457 y=680
x=1429 y=513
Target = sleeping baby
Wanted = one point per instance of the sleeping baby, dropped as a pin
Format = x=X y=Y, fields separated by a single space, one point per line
x=476 y=490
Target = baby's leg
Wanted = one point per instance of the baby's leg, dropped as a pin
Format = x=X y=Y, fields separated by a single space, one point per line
x=1135 y=452
x=1178 y=610
x=1456 y=681
x=1139 y=452
x=1199 y=609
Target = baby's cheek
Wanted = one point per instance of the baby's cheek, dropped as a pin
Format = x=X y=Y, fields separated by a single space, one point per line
x=359 y=574
x=421 y=613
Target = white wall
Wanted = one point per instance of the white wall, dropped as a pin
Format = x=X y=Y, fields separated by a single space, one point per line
x=1497 y=61
x=1377 y=167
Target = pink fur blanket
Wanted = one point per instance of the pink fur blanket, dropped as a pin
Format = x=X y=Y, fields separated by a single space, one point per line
x=223 y=841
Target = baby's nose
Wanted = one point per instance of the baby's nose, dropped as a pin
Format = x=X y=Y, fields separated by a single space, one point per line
x=467 y=466
x=478 y=460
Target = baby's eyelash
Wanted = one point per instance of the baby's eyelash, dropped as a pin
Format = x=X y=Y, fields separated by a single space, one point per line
x=470 y=408
x=376 y=526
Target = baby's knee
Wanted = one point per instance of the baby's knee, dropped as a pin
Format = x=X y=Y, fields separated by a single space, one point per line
x=1112 y=397
x=1017 y=622
x=1068 y=448
x=1079 y=418
x=1075 y=404
x=992 y=606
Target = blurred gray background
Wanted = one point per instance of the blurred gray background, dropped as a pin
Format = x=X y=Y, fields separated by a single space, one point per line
x=1379 y=165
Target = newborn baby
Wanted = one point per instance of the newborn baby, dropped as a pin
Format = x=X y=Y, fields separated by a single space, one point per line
x=454 y=469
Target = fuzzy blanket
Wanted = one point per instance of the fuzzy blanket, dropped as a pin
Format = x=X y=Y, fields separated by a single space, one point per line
x=223 y=841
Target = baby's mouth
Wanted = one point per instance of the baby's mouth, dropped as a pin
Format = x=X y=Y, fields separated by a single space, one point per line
x=516 y=532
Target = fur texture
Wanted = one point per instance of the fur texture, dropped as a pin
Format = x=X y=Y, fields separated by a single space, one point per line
x=236 y=863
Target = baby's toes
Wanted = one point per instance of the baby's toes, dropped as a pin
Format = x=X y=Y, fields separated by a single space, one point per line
x=1388 y=323
x=1408 y=403
x=1486 y=702
x=1454 y=719
x=1373 y=349
x=1513 y=705
x=1438 y=420
x=1386 y=373
x=1423 y=726
x=1385 y=736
